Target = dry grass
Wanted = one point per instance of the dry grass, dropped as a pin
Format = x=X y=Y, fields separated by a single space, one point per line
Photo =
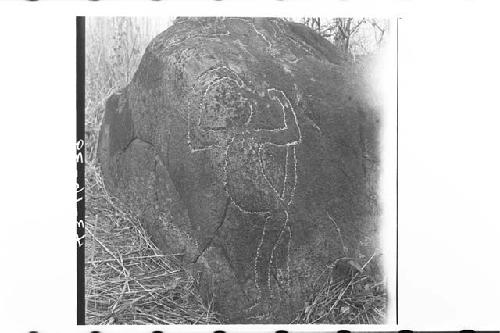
x=128 y=280
x=356 y=298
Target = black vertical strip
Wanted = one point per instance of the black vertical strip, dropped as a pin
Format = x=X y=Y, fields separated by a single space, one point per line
x=397 y=171
x=80 y=164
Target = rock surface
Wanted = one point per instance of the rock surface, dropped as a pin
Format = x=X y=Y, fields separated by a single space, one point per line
x=245 y=147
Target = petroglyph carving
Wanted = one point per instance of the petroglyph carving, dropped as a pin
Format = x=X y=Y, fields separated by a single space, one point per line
x=220 y=124
x=208 y=131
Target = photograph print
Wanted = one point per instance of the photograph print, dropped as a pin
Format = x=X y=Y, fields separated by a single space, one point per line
x=234 y=171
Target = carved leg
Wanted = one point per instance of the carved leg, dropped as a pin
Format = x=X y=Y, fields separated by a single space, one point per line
x=274 y=227
x=290 y=181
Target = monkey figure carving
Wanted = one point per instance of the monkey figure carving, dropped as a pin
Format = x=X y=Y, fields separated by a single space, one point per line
x=221 y=121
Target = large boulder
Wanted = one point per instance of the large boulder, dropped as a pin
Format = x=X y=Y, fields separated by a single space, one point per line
x=247 y=150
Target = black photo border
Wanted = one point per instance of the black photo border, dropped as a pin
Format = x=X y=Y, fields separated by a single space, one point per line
x=80 y=163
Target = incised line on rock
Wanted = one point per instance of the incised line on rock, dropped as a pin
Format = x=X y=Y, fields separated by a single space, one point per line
x=258 y=139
